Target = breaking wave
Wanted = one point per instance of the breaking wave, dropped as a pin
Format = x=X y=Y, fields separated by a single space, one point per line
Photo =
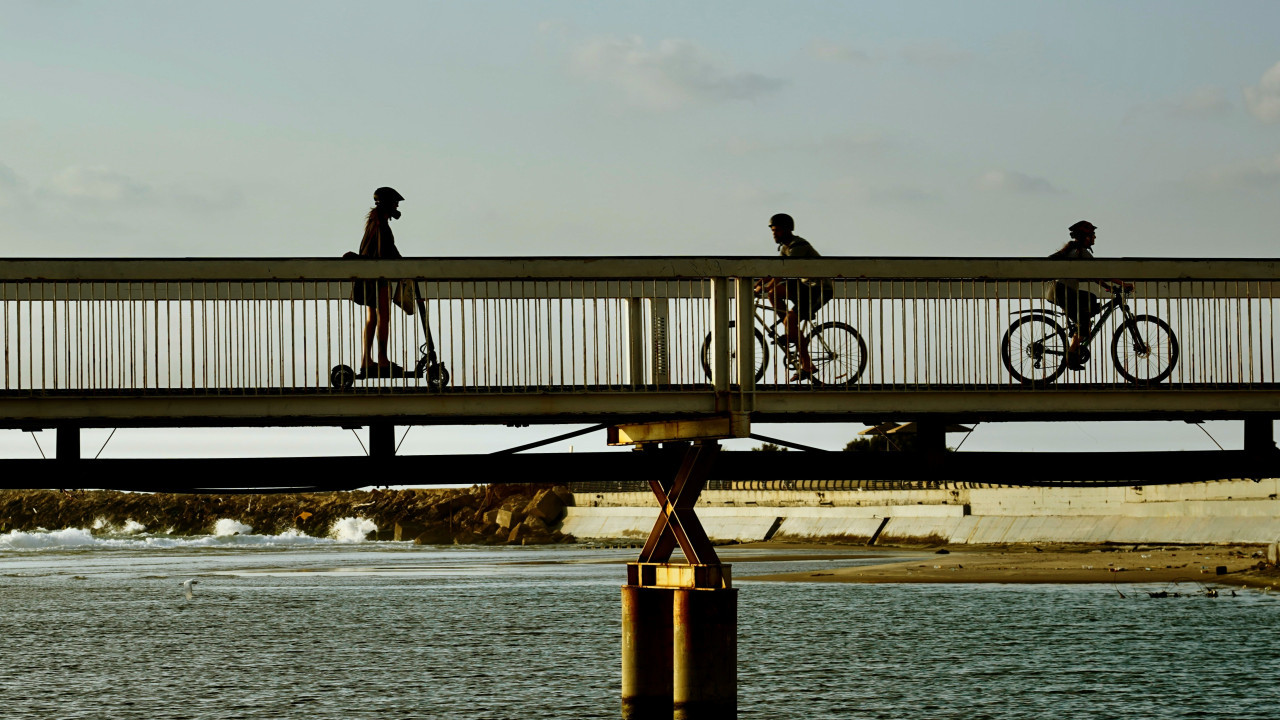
x=352 y=529
x=227 y=533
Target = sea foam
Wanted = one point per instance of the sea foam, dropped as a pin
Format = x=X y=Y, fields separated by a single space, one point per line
x=227 y=526
x=44 y=539
x=352 y=529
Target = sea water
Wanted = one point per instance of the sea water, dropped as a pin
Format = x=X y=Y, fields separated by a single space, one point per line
x=290 y=626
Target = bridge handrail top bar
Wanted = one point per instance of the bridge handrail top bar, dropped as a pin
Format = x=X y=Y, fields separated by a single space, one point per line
x=567 y=268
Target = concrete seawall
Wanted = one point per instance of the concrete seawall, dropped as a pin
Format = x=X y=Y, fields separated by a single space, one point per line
x=1220 y=512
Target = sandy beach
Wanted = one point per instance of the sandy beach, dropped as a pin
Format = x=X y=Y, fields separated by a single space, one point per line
x=1190 y=565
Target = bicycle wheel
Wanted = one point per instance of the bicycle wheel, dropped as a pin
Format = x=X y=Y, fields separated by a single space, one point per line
x=1034 y=350
x=1144 y=349
x=838 y=353
x=762 y=356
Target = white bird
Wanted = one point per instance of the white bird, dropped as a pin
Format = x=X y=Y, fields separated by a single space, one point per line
x=187 y=586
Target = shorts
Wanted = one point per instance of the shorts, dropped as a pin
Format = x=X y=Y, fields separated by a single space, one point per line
x=1080 y=305
x=808 y=299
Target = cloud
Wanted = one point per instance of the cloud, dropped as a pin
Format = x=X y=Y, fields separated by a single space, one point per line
x=1202 y=101
x=1015 y=182
x=96 y=184
x=936 y=54
x=904 y=194
x=10 y=185
x=832 y=52
x=672 y=74
x=845 y=143
x=1256 y=175
x=1263 y=99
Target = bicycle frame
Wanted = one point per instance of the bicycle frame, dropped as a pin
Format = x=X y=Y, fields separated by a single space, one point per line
x=804 y=327
x=1116 y=301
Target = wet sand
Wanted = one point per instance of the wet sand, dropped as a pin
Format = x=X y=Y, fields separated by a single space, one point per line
x=1041 y=564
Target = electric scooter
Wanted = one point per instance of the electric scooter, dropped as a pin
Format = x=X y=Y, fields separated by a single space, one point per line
x=428 y=367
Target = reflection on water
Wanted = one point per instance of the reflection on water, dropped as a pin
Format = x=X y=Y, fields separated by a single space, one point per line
x=330 y=631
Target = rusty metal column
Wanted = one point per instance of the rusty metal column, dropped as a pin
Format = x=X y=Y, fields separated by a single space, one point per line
x=705 y=645
x=646 y=652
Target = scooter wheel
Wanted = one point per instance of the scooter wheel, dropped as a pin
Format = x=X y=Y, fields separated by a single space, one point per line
x=342 y=376
x=437 y=376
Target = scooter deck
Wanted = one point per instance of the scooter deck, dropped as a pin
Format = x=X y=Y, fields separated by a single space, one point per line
x=389 y=374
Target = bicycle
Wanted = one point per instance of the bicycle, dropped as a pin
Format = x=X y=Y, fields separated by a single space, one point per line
x=838 y=352
x=1034 y=349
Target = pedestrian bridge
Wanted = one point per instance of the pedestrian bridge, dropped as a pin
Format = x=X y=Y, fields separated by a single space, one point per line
x=254 y=342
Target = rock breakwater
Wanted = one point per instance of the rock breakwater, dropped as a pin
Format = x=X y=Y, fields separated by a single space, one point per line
x=482 y=514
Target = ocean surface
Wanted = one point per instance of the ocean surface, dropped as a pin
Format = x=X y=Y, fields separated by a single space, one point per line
x=100 y=626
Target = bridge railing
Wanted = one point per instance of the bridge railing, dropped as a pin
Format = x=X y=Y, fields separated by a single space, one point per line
x=644 y=325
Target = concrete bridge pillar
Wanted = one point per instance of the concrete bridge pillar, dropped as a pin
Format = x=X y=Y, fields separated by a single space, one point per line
x=705 y=649
x=646 y=653
x=679 y=642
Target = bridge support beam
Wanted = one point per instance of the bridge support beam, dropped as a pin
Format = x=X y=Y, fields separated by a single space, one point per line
x=382 y=440
x=67 y=443
x=1259 y=436
x=680 y=620
x=646 y=652
x=705 y=646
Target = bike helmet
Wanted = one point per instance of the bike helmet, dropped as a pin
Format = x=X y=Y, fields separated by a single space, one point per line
x=782 y=221
x=386 y=194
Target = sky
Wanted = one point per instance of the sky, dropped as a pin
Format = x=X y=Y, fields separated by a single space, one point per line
x=917 y=128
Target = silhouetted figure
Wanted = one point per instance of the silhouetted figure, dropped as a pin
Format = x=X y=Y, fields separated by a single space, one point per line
x=797 y=298
x=379 y=242
x=1079 y=304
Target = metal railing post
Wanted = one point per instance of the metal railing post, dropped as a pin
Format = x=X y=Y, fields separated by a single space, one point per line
x=721 y=294
x=746 y=326
x=635 y=342
x=660 y=362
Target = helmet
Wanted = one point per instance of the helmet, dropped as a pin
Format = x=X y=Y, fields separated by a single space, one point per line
x=782 y=221
x=1082 y=226
x=386 y=194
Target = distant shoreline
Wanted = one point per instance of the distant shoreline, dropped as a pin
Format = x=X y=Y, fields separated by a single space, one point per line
x=1192 y=566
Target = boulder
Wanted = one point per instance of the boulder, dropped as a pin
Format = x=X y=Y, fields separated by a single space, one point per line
x=434 y=535
x=535 y=524
x=490 y=517
x=518 y=534
x=407 y=530
x=546 y=505
x=509 y=518
x=565 y=495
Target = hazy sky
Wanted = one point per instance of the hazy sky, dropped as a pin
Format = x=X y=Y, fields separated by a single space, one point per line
x=912 y=128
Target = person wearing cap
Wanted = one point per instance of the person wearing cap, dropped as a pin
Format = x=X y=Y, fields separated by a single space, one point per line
x=796 y=298
x=378 y=242
x=1079 y=304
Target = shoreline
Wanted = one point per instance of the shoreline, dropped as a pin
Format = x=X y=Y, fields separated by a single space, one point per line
x=1031 y=564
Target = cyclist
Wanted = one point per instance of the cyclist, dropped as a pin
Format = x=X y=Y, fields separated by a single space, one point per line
x=1080 y=305
x=796 y=299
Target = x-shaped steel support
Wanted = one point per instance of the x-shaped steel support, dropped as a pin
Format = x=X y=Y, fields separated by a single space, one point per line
x=678 y=523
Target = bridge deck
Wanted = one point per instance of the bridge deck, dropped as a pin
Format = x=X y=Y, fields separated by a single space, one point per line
x=597 y=404
x=567 y=340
